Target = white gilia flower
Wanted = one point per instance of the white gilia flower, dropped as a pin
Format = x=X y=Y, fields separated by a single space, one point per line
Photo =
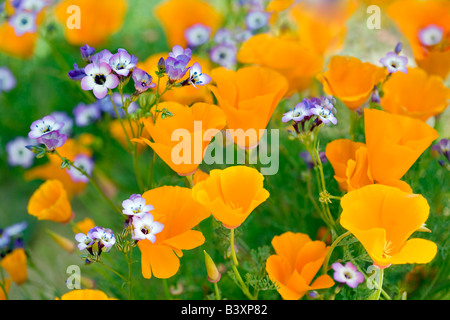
x=146 y=228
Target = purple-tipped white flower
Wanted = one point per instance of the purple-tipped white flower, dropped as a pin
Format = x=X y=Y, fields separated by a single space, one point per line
x=104 y=237
x=99 y=79
x=23 y=22
x=196 y=77
x=256 y=20
x=442 y=148
x=83 y=162
x=52 y=140
x=122 y=62
x=7 y=80
x=242 y=35
x=431 y=35
x=393 y=62
x=197 y=35
x=61 y=116
x=136 y=206
x=347 y=274
x=181 y=54
x=142 y=80
x=102 y=56
x=86 y=114
x=87 y=52
x=146 y=228
x=85 y=241
x=300 y=111
x=224 y=55
x=18 y=154
x=325 y=115
x=44 y=126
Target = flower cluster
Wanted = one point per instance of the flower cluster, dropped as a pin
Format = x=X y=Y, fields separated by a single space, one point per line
x=97 y=238
x=24 y=18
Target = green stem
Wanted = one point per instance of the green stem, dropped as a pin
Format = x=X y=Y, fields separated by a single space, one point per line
x=166 y=289
x=217 y=291
x=130 y=273
x=241 y=282
x=330 y=251
x=152 y=171
x=379 y=285
x=114 y=271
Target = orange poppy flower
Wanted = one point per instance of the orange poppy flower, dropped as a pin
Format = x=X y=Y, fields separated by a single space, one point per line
x=85 y=294
x=394 y=143
x=279 y=5
x=322 y=27
x=296 y=263
x=184 y=95
x=175 y=208
x=99 y=20
x=415 y=94
x=50 y=202
x=383 y=218
x=434 y=58
x=16 y=46
x=178 y=15
x=52 y=169
x=6 y=285
x=84 y=226
x=351 y=80
x=248 y=97
x=293 y=60
x=231 y=194
x=199 y=176
x=194 y=124
x=15 y=263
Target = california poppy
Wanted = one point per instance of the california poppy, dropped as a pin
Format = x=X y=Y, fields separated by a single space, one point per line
x=231 y=194
x=351 y=80
x=193 y=124
x=50 y=202
x=17 y=46
x=415 y=94
x=427 y=27
x=248 y=97
x=296 y=263
x=287 y=56
x=179 y=213
x=15 y=263
x=85 y=294
x=178 y=15
x=99 y=20
x=6 y=284
x=383 y=218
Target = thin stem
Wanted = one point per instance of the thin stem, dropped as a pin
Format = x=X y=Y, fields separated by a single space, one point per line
x=152 y=171
x=114 y=271
x=190 y=181
x=130 y=273
x=379 y=285
x=166 y=289
x=330 y=251
x=121 y=122
x=217 y=291
x=241 y=282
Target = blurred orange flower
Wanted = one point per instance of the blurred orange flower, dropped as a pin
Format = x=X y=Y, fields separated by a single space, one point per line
x=288 y=56
x=195 y=121
x=15 y=263
x=50 y=202
x=248 y=97
x=116 y=130
x=84 y=226
x=6 y=285
x=382 y=218
x=322 y=26
x=199 y=176
x=415 y=94
x=184 y=95
x=99 y=20
x=279 y=5
x=231 y=194
x=351 y=80
x=296 y=263
x=85 y=294
x=175 y=208
x=178 y=15
x=17 y=46
x=52 y=169
x=426 y=24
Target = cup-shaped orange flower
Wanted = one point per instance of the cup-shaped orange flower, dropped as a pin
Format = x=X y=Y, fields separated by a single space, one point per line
x=85 y=294
x=15 y=263
x=181 y=139
x=186 y=94
x=178 y=15
x=351 y=80
x=52 y=169
x=415 y=94
x=394 y=143
x=175 y=208
x=383 y=218
x=296 y=262
x=50 y=202
x=288 y=56
x=231 y=194
x=248 y=97
x=322 y=25
x=279 y=5
x=14 y=45
x=98 y=20
x=426 y=24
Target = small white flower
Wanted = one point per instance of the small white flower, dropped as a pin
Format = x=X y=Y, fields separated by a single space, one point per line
x=256 y=20
x=84 y=163
x=7 y=80
x=18 y=154
x=324 y=114
x=196 y=77
x=43 y=126
x=85 y=241
x=136 y=206
x=431 y=35
x=146 y=228
x=197 y=35
x=23 y=22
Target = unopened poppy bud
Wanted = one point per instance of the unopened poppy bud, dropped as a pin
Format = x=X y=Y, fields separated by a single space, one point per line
x=423 y=229
x=213 y=273
x=63 y=242
x=87 y=283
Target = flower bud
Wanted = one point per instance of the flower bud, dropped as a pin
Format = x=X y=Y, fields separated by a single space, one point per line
x=398 y=48
x=63 y=242
x=213 y=273
x=161 y=66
